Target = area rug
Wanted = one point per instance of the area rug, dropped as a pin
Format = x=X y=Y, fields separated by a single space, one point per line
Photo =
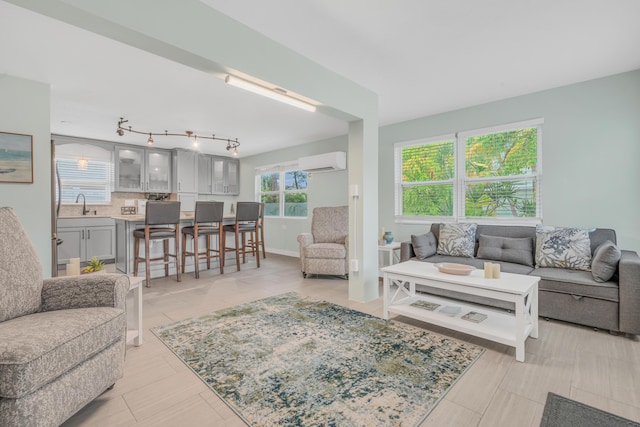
x=288 y=361
x=562 y=412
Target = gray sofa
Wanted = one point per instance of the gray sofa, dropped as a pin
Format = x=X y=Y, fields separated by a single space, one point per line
x=62 y=340
x=564 y=294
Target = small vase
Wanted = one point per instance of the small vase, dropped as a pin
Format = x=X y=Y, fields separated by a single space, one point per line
x=388 y=237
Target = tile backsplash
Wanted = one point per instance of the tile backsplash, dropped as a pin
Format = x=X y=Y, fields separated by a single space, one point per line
x=112 y=209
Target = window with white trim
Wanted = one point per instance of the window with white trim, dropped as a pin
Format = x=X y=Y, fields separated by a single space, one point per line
x=484 y=175
x=86 y=169
x=283 y=190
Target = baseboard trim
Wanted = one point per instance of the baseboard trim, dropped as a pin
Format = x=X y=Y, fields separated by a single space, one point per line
x=281 y=252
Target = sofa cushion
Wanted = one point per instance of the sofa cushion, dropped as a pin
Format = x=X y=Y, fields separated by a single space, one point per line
x=563 y=248
x=575 y=282
x=605 y=261
x=21 y=274
x=457 y=240
x=518 y=251
x=325 y=250
x=424 y=245
x=32 y=356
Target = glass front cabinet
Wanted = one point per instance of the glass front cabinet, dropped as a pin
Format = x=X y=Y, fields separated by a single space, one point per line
x=218 y=175
x=142 y=170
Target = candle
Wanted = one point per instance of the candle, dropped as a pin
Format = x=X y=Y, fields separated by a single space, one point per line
x=73 y=269
x=495 y=271
x=488 y=271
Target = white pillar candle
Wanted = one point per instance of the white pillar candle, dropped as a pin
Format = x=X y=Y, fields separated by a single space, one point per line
x=73 y=269
x=488 y=271
x=495 y=271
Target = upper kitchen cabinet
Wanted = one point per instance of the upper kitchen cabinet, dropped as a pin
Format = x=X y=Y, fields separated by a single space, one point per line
x=218 y=175
x=158 y=172
x=142 y=170
x=185 y=171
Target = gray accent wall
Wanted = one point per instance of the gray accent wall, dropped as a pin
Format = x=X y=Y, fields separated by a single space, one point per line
x=590 y=151
x=24 y=108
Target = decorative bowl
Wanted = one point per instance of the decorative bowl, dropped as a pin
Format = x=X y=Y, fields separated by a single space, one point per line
x=452 y=268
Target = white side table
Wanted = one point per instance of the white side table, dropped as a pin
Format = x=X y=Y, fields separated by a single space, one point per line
x=390 y=252
x=134 y=331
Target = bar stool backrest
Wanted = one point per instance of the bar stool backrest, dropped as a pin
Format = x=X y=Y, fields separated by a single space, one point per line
x=247 y=211
x=162 y=213
x=209 y=212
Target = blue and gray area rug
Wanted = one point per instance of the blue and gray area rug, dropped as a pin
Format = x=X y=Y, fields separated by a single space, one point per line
x=288 y=361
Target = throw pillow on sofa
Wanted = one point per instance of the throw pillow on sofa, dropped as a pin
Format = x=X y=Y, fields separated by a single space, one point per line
x=605 y=261
x=457 y=240
x=424 y=245
x=568 y=248
x=507 y=249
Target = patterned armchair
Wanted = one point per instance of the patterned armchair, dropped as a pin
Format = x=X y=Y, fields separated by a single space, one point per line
x=326 y=248
x=62 y=340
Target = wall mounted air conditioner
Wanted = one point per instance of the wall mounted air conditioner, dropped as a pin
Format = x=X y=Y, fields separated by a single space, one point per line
x=326 y=162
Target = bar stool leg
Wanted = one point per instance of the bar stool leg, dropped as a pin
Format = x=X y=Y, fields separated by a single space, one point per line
x=147 y=257
x=264 y=253
x=222 y=241
x=196 y=256
x=176 y=240
x=257 y=253
x=208 y=241
x=136 y=256
x=237 y=250
x=184 y=251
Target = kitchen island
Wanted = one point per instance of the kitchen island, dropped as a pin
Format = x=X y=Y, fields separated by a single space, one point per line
x=126 y=224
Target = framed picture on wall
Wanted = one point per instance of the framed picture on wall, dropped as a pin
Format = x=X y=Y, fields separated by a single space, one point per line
x=16 y=158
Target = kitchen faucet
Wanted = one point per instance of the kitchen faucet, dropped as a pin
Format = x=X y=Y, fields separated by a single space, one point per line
x=84 y=203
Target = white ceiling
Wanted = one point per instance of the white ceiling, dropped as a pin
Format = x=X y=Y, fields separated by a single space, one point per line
x=422 y=57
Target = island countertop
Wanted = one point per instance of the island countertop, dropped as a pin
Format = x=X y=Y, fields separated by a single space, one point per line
x=184 y=216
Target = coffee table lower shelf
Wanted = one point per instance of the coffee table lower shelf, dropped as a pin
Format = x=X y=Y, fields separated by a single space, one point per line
x=499 y=326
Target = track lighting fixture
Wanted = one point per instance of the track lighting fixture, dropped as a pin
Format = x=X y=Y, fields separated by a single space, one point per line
x=232 y=144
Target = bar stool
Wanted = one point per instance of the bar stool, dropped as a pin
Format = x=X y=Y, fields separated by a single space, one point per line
x=161 y=222
x=207 y=222
x=247 y=218
x=258 y=238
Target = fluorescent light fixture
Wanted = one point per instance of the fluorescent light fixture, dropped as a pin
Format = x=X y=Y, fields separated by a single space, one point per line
x=277 y=93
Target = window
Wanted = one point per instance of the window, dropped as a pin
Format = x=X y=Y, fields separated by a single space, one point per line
x=283 y=190
x=94 y=179
x=488 y=174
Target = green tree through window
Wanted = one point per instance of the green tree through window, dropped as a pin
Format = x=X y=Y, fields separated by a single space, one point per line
x=284 y=193
x=497 y=176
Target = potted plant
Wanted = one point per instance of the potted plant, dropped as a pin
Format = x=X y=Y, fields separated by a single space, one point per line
x=94 y=265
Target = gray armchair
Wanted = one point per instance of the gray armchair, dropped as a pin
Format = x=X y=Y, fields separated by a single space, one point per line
x=326 y=248
x=62 y=340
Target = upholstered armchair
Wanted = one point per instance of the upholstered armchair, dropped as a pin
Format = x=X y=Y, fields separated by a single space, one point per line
x=62 y=340
x=326 y=248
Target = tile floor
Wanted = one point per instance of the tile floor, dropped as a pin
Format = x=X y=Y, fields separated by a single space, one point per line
x=158 y=390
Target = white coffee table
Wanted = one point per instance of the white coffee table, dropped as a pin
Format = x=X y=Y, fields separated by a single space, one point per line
x=500 y=326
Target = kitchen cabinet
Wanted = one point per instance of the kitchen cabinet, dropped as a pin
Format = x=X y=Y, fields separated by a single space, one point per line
x=218 y=175
x=85 y=238
x=142 y=170
x=185 y=171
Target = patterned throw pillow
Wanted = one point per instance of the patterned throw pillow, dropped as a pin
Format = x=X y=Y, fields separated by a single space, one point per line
x=563 y=248
x=457 y=240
